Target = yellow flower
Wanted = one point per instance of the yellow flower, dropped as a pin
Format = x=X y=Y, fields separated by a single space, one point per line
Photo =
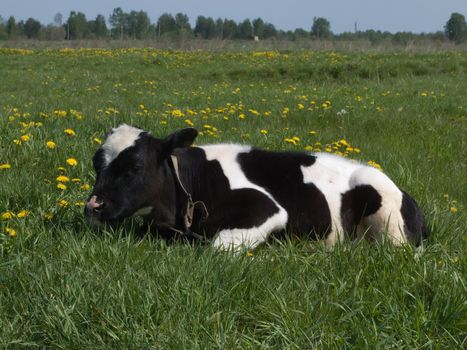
x=453 y=210
x=5 y=166
x=62 y=178
x=70 y=132
x=249 y=254
x=7 y=215
x=75 y=180
x=48 y=216
x=374 y=164
x=79 y=204
x=97 y=140
x=85 y=187
x=9 y=231
x=189 y=122
x=63 y=203
x=25 y=138
x=22 y=214
x=51 y=144
x=72 y=162
x=61 y=186
x=61 y=169
x=263 y=131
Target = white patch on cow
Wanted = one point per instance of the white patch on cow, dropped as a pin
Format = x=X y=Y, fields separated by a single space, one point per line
x=250 y=237
x=334 y=175
x=331 y=174
x=120 y=139
x=226 y=155
x=143 y=211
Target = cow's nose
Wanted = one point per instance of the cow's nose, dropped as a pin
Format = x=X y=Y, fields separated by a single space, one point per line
x=93 y=206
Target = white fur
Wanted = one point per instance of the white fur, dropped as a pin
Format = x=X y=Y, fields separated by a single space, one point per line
x=226 y=155
x=121 y=138
x=334 y=176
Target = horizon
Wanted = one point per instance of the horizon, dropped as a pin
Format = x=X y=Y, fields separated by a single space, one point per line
x=418 y=16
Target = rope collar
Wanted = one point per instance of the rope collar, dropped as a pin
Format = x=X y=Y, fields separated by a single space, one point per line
x=190 y=207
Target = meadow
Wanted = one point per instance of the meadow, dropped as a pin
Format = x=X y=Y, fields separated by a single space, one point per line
x=66 y=285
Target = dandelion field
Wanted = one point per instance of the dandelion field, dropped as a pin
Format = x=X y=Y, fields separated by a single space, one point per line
x=64 y=284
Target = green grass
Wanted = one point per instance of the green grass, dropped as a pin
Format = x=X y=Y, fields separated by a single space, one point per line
x=63 y=284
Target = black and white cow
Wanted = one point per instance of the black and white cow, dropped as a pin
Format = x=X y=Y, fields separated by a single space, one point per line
x=246 y=193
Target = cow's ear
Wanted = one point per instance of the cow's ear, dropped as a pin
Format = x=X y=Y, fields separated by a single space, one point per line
x=180 y=138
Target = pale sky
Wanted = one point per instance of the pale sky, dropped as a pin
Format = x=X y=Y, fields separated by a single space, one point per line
x=386 y=15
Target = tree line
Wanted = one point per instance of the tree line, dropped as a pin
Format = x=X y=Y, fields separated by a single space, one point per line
x=137 y=25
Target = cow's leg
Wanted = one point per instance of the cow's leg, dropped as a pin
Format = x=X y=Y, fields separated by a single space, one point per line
x=377 y=203
x=245 y=217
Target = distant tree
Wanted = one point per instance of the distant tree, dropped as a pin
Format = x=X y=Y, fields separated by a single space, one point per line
x=301 y=33
x=456 y=28
x=166 y=24
x=182 y=23
x=100 y=27
x=205 y=27
x=77 y=26
x=258 y=28
x=321 y=28
x=270 y=31
x=138 y=24
x=229 y=29
x=32 y=28
x=117 y=21
x=58 y=19
x=11 y=27
x=52 y=32
x=245 y=30
x=219 y=28
x=2 y=29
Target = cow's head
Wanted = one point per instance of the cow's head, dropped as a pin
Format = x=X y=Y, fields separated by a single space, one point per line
x=131 y=169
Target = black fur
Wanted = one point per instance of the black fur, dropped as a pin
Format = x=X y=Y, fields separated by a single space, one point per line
x=361 y=201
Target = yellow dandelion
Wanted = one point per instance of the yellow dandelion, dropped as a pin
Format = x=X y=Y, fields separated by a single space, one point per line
x=63 y=203
x=7 y=215
x=97 y=140
x=72 y=162
x=22 y=214
x=374 y=164
x=61 y=186
x=10 y=232
x=69 y=132
x=249 y=254
x=453 y=210
x=85 y=187
x=5 y=166
x=25 y=138
x=62 y=178
x=76 y=180
x=189 y=122
x=79 y=204
x=263 y=131
x=51 y=144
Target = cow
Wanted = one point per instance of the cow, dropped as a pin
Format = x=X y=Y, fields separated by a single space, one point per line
x=232 y=195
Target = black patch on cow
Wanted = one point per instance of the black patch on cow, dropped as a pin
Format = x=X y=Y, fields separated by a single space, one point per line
x=280 y=174
x=228 y=209
x=415 y=226
x=98 y=160
x=357 y=203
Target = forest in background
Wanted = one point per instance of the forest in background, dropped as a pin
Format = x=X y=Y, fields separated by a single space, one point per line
x=136 y=25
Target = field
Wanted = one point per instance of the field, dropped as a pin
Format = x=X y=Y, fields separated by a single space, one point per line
x=64 y=284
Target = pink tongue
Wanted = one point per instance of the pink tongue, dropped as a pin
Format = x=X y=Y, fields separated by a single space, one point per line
x=92 y=203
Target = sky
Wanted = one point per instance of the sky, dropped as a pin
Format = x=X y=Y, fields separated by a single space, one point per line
x=387 y=15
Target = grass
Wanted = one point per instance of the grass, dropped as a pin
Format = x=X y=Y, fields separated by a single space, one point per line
x=63 y=284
